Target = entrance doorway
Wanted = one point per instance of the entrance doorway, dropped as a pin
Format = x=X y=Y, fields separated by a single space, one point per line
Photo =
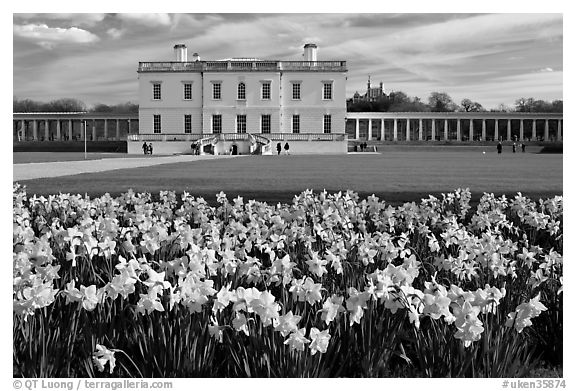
x=234 y=149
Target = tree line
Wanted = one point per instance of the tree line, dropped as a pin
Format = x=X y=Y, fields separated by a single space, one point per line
x=398 y=101
x=69 y=105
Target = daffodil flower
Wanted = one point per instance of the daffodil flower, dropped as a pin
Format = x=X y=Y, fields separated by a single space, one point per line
x=331 y=308
x=91 y=297
x=103 y=356
x=287 y=323
x=297 y=340
x=319 y=340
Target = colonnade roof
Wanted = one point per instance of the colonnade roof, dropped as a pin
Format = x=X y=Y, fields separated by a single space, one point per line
x=74 y=115
x=452 y=115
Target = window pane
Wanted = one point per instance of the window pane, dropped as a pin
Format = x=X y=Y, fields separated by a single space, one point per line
x=295 y=124
x=296 y=91
x=241 y=91
x=241 y=123
x=217 y=123
x=266 y=123
x=327 y=91
x=156 y=91
x=266 y=91
x=187 y=123
x=216 y=91
x=157 y=123
x=187 y=91
x=327 y=123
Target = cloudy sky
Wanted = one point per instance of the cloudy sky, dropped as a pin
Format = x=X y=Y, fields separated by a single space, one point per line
x=490 y=58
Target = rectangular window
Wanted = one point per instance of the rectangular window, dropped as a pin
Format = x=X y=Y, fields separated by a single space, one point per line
x=217 y=91
x=327 y=91
x=296 y=91
x=241 y=123
x=187 y=123
x=266 y=91
x=187 y=91
x=217 y=123
x=156 y=91
x=265 y=125
x=157 y=123
x=296 y=123
x=241 y=91
x=327 y=123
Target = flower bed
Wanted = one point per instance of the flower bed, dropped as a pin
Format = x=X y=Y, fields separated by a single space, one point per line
x=328 y=285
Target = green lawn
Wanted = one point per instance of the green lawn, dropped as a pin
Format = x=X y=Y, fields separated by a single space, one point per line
x=40 y=157
x=395 y=176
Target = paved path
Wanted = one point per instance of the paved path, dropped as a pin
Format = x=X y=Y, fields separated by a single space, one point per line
x=22 y=172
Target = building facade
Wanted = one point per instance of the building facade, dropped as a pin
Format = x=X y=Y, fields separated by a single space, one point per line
x=372 y=93
x=230 y=102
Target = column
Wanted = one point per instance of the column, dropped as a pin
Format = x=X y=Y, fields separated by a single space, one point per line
x=357 y=128
x=521 y=130
x=105 y=129
x=458 y=132
x=433 y=129
x=408 y=129
x=533 y=130
x=420 y=129
x=93 y=130
x=395 y=129
x=117 y=129
x=546 y=131
x=445 y=130
x=129 y=127
x=496 y=132
x=22 y=131
x=46 y=130
x=369 y=128
x=508 y=130
x=483 y=130
x=559 y=130
x=382 y=138
x=58 y=130
x=471 y=131
x=35 y=130
x=83 y=129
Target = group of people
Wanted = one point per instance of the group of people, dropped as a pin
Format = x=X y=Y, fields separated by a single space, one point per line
x=499 y=147
x=147 y=148
x=286 y=148
x=363 y=147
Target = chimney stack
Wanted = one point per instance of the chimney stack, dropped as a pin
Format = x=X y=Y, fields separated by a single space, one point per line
x=310 y=51
x=181 y=52
x=195 y=57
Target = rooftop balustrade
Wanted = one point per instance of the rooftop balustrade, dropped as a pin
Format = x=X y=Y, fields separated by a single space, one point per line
x=247 y=66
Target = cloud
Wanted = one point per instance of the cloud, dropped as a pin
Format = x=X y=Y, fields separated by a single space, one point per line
x=399 y=20
x=49 y=37
x=149 y=20
x=87 y=20
x=115 y=33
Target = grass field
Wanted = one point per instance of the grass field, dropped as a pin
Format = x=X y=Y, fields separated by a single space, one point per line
x=395 y=176
x=40 y=157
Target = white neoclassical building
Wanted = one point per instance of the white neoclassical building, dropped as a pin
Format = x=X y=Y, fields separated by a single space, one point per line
x=242 y=105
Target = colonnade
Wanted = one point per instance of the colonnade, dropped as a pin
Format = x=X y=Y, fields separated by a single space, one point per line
x=72 y=129
x=419 y=127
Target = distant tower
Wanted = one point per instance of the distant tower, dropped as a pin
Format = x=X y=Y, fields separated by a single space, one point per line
x=368 y=89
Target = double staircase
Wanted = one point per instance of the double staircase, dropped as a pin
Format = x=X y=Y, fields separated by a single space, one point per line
x=259 y=145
